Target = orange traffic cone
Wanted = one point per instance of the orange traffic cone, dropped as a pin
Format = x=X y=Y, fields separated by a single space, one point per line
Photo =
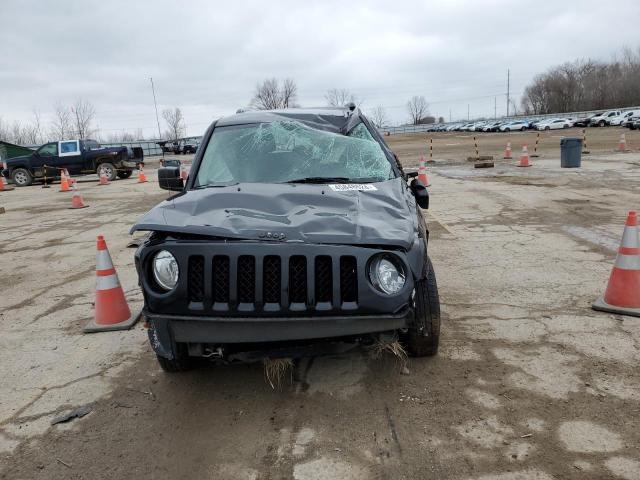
x=622 y=144
x=71 y=181
x=184 y=173
x=4 y=186
x=112 y=311
x=142 y=178
x=524 y=157
x=103 y=180
x=623 y=291
x=76 y=200
x=507 y=152
x=64 y=183
x=422 y=172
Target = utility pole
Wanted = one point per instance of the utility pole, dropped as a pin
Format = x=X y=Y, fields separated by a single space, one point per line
x=468 y=118
x=495 y=108
x=508 y=86
x=156 y=105
x=449 y=115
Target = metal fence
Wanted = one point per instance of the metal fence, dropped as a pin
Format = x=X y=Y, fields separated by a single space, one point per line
x=149 y=147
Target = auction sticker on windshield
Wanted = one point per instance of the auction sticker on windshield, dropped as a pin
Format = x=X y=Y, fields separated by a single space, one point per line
x=344 y=187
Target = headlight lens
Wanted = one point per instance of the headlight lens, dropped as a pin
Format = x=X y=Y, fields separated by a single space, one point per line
x=387 y=274
x=165 y=270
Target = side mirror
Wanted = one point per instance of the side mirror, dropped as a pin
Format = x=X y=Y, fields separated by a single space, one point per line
x=409 y=175
x=420 y=192
x=169 y=179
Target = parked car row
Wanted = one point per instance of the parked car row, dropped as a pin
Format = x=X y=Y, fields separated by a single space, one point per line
x=179 y=146
x=627 y=119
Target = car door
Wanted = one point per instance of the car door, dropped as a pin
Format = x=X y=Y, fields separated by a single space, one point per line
x=45 y=160
x=70 y=156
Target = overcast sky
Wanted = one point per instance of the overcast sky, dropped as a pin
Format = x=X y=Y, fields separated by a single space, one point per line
x=207 y=56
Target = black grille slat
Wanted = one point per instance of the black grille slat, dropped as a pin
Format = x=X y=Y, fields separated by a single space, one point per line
x=323 y=279
x=297 y=279
x=271 y=279
x=221 y=279
x=195 y=279
x=348 y=279
x=246 y=279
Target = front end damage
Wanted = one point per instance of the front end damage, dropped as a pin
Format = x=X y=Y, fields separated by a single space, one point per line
x=246 y=300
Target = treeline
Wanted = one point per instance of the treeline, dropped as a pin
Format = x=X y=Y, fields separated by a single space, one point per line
x=77 y=121
x=586 y=85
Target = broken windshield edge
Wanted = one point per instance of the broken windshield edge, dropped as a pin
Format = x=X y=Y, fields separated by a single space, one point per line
x=283 y=151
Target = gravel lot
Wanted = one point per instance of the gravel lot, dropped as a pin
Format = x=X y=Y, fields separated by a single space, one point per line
x=530 y=383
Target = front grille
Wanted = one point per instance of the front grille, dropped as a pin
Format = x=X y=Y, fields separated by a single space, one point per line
x=249 y=283
x=195 y=279
x=348 y=279
x=246 y=279
x=323 y=279
x=298 y=279
x=221 y=276
x=271 y=279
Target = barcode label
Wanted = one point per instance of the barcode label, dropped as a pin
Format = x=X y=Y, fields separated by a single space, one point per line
x=344 y=187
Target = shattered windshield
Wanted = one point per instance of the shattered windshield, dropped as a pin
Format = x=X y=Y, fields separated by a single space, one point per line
x=288 y=151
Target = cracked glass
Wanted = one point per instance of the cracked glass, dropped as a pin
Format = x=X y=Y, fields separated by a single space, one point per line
x=285 y=151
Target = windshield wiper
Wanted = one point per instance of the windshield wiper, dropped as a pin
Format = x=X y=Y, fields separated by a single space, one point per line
x=319 y=180
x=214 y=185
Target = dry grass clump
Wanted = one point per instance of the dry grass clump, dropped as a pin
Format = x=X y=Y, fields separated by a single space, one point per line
x=275 y=370
x=395 y=348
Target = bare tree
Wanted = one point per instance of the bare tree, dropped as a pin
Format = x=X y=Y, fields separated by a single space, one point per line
x=61 y=127
x=5 y=134
x=83 y=114
x=175 y=123
x=379 y=116
x=339 y=97
x=269 y=95
x=418 y=108
x=586 y=85
x=289 y=93
x=33 y=130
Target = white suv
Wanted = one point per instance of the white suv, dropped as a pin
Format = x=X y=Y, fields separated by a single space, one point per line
x=604 y=118
x=624 y=117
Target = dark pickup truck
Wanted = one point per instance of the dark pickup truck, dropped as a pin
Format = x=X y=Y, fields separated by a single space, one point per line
x=77 y=156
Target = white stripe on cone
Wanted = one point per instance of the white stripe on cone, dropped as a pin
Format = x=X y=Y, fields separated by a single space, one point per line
x=627 y=262
x=630 y=237
x=107 y=282
x=103 y=260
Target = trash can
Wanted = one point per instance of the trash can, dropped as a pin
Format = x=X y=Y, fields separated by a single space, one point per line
x=570 y=152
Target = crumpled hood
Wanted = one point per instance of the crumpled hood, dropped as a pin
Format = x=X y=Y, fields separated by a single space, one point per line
x=291 y=213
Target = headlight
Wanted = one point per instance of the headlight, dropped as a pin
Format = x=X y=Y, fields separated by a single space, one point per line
x=165 y=270
x=387 y=274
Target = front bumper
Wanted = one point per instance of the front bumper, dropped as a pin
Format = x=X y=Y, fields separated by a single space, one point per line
x=167 y=330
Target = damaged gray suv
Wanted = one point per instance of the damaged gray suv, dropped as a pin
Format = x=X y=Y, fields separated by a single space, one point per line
x=296 y=233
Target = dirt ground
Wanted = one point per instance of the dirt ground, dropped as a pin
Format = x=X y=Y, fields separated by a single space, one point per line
x=529 y=384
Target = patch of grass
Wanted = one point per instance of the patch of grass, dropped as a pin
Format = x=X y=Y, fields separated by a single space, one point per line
x=275 y=369
x=394 y=347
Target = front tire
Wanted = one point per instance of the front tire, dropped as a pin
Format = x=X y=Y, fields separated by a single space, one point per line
x=601 y=124
x=423 y=340
x=181 y=362
x=123 y=174
x=22 y=177
x=109 y=169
